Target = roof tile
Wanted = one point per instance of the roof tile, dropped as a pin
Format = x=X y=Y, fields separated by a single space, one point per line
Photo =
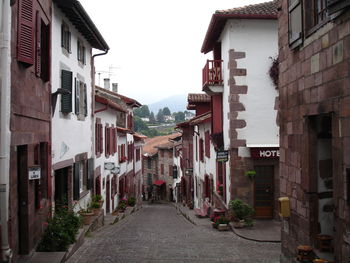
x=266 y=8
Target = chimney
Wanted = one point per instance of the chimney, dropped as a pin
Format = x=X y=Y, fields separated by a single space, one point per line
x=107 y=84
x=115 y=87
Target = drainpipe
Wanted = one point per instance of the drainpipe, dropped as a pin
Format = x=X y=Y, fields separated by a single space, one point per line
x=5 y=135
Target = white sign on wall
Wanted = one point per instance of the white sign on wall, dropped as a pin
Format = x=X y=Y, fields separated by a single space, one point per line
x=34 y=173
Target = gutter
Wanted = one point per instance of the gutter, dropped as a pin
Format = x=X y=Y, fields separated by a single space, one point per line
x=5 y=134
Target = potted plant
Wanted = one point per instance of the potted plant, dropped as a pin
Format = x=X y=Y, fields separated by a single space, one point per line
x=242 y=212
x=98 y=199
x=131 y=201
x=95 y=207
x=250 y=174
x=122 y=205
x=222 y=223
x=87 y=216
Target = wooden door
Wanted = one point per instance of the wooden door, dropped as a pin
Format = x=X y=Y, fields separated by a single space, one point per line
x=108 y=196
x=263 y=191
x=23 y=199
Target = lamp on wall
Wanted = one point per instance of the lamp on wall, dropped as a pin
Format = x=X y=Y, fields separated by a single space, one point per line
x=54 y=97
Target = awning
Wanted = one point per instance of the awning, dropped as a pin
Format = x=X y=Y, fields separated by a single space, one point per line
x=159 y=182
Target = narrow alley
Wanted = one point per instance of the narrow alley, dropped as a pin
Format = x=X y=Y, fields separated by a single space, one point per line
x=158 y=233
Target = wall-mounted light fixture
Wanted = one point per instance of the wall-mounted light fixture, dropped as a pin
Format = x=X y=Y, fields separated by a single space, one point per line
x=54 y=97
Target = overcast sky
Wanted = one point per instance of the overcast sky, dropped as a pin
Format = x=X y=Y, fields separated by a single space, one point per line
x=154 y=44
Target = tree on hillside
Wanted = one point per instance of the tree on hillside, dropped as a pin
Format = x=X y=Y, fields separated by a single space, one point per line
x=139 y=125
x=152 y=119
x=179 y=116
x=160 y=116
x=142 y=112
x=166 y=111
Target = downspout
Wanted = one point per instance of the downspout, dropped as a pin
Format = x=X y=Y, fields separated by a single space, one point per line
x=5 y=135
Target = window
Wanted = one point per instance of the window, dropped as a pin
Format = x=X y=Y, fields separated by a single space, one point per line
x=65 y=38
x=122 y=156
x=80 y=98
x=138 y=154
x=66 y=83
x=161 y=153
x=81 y=52
x=80 y=179
x=337 y=5
x=162 y=169
x=315 y=14
x=171 y=170
x=295 y=23
x=98 y=137
x=107 y=140
x=149 y=163
x=33 y=39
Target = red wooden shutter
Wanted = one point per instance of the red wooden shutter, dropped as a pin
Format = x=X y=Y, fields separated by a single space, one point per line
x=170 y=170
x=207 y=144
x=101 y=138
x=201 y=150
x=25 y=34
x=120 y=153
x=111 y=144
x=96 y=139
x=38 y=45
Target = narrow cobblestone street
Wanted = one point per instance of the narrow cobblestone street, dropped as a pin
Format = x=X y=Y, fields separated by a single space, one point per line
x=158 y=233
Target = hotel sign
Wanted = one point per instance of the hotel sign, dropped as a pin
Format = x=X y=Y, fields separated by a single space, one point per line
x=222 y=156
x=265 y=153
x=34 y=173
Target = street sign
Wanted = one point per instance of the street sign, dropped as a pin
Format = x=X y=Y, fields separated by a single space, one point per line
x=222 y=156
x=109 y=166
x=34 y=173
x=116 y=170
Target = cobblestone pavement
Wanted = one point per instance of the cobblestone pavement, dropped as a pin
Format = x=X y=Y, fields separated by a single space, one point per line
x=158 y=233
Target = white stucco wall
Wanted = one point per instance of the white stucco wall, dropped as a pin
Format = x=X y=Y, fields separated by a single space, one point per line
x=207 y=167
x=70 y=136
x=258 y=39
x=107 y=117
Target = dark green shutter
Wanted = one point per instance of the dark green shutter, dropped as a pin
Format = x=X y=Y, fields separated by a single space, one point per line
x=62 y=35
x=85 y=100
x=90 y=173
x=66 y=83
x=76 y=181
x=77 y=96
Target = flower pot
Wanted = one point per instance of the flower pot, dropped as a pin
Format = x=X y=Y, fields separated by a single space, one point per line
x=238 y=224
x=87 y=218
x=96 y=211
x=223 y=227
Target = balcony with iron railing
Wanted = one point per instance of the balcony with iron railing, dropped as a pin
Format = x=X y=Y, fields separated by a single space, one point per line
x=212 y=77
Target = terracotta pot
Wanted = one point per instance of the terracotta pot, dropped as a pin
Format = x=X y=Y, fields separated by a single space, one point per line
x=87 y=218
x=223 y=227
x=238 y=224
x=96 y=211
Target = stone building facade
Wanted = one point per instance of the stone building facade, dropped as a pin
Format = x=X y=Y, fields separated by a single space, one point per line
x=314 y=116
x=30 y=198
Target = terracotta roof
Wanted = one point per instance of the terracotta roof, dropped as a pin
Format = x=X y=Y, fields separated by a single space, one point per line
x=196 y=120
x=139 y=136
x=266 y=10
x=200 y=119
x=151 y=144
x=101 y=99
x=198 y=97
x=123 y=130
x=129 y=101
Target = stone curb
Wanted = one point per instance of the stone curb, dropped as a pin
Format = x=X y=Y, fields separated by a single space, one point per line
x=252 y=239
x=231 y=228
